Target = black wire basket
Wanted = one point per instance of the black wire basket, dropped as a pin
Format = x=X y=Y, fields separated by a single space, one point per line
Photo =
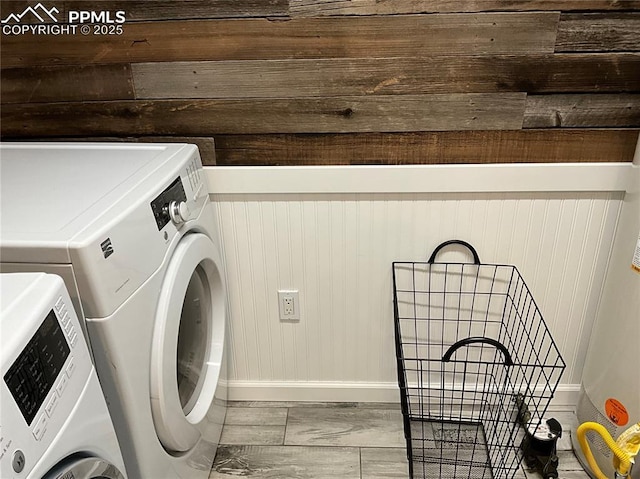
x=476 y=363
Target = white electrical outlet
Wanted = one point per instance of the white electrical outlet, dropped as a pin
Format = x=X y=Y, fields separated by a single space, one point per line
x=289 y=305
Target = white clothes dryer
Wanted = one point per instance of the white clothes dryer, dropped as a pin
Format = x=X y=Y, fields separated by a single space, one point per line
x=54 y=422
x=131 y=230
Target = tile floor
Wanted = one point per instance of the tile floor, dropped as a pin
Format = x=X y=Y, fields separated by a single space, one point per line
x=330 y=440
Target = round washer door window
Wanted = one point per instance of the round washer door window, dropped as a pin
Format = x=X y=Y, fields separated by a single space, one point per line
x=188 y=342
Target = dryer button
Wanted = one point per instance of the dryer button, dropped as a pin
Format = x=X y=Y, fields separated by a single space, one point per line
x=51 y=405
x=59 y=304
x=39 y=428
x=73 y=338
x=68 y=327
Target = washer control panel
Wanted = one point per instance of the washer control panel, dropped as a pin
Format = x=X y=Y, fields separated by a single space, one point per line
x=35 y=371
x=45 y=366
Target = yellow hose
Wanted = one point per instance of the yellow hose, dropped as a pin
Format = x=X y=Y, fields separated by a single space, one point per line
x=624 y=458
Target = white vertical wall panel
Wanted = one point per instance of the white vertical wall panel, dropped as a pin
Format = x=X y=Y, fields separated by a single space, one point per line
x=337 y=250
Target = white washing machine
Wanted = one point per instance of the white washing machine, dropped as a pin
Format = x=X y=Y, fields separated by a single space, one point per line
x=131 y=230
x=54 y=422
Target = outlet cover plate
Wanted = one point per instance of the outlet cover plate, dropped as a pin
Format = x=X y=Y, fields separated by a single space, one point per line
x=289 y=304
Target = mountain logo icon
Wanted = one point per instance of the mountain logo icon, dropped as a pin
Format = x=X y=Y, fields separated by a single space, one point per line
x=39 y=12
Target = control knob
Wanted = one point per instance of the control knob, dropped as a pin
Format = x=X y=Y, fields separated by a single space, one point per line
x=179 y=212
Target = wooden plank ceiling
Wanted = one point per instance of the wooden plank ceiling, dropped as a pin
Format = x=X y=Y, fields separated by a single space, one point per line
x=339 y=82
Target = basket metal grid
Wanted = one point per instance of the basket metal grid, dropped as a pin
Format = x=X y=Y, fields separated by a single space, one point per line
x=476 y=363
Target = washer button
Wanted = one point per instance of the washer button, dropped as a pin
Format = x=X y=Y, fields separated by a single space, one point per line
x=59 y=304
x=73 y=339
x=71 y=367
x=51 y=405
x=65 y=319
x=18 y=461
x=62 y=384
x=39 y=428
x=68 y=327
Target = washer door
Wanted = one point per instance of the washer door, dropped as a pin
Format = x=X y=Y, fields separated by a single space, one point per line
x=84 y=468
x=188 y=342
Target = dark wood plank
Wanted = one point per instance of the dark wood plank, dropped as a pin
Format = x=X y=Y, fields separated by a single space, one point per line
x=385 y=76
x=145 y=10
x=137 y=10
x=521 y=146
x=377 y=7
x=448 y=147
x=78 y=83
x=317 y=115
x=582 y=111
x=599 y=32
x=342 y=37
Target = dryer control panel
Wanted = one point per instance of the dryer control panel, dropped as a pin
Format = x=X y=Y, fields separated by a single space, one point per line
x=177 y=205
x=162 y=205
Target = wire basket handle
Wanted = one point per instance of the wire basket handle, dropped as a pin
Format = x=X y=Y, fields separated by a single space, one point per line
x=479 y=339
x=476 y=258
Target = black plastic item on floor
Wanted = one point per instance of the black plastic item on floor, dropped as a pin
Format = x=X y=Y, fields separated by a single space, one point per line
x=539 y=447
x=477 y=366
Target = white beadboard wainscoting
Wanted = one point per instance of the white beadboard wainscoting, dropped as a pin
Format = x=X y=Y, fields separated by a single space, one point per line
x=333 y=232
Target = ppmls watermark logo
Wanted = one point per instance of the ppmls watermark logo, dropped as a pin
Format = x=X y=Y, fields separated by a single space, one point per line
x=40 y=20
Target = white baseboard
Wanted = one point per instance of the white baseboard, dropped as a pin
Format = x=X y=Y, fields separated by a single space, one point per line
x=565 y=399
x=323 y=391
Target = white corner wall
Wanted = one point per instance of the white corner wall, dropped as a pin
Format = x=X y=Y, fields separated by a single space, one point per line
x=333 y=236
